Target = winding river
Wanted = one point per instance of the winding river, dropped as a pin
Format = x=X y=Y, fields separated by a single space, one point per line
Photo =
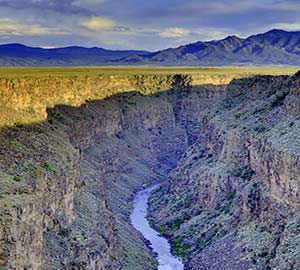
x=159 y=244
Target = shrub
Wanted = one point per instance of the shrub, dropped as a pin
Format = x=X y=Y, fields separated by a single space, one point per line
x=260 y=129
x=24 y=191
x=19 y=124
x=180 y=249
x=259 y=110
x=17 y=178
x=175 y=224
x=244 y=172
x=49 y=167
x=64 y=232
x=291 y=124
x=262 y=254
x=231 y=195
x=279 y=99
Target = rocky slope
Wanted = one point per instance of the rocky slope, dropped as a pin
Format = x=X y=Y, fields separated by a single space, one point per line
x=229 y=154
x=67 y=181
x=232 y=202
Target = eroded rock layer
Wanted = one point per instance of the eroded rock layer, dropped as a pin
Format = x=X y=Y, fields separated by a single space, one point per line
x=233 y=200
x=229 y=154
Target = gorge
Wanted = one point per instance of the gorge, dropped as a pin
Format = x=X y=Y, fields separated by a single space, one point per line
x=75 y=150
x=160 y=245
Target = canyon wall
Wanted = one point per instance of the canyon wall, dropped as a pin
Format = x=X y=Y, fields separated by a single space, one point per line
x=240 y=180
x=68 y=178
x=67 y=183
x=25 y=100
x=74 y=151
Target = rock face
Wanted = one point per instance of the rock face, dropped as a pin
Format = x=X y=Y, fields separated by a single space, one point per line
x=67 y=182
x=25 y=100
x=237 y=187
x=229 y=154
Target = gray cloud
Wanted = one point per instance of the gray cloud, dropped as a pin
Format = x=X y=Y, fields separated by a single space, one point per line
x=139 y=24
x=64 y=7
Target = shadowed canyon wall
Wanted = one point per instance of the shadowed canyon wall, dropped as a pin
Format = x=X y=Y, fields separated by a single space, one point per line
x=228 y=152
x=240 y=180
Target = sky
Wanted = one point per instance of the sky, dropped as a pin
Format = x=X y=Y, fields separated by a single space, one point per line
x=139 y=24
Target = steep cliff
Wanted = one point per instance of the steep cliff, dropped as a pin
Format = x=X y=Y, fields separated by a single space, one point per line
x=70 y=166
x=67 y=183
x=239 y=180
x=26 y=99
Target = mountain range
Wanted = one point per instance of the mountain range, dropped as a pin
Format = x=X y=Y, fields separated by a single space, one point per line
x=276 y=47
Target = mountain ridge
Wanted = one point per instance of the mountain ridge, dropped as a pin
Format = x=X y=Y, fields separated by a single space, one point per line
x=275 y=47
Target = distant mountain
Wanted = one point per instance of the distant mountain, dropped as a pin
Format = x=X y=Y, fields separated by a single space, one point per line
x=276 y=47
x=21 y=55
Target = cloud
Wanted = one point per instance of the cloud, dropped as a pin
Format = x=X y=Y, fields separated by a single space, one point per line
x=87 y=3
x=286 y=5
x=212 y=33
x=98 y=23
x=284 y=26
x=150 y=25
x=12 y=27
x=48 y=47
x=174 y=32
x=58 y=6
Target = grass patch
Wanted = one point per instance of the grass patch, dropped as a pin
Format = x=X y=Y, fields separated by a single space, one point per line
x=17 y=178
x=180 y=249
x=171 y=226
x=24 y=72
x=49 y=167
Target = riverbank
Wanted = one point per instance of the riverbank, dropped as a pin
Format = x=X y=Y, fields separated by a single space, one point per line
x=157 y=242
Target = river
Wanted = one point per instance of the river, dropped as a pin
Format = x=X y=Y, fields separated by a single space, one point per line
x=159 y=244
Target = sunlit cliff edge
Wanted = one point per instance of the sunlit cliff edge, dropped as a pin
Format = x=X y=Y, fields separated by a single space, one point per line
x=26 y=93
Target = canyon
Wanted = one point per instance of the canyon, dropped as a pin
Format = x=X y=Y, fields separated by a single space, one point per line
x=75 y=150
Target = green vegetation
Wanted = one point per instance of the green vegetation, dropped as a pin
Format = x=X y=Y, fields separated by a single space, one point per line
x=291 y=124
x=179 y=249
x=64 y=232
x=279 y=99
x=49 y=167
x=24 y=191
x=172 y=225
x=244 y=172
x=22 y=72
x=17 y=178
x=19 y=124
x=260 y=129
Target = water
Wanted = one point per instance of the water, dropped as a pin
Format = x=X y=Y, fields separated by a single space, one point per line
x=159 y=244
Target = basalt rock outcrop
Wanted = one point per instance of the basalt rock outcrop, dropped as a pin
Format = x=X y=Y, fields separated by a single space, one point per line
x=69 y=169
x=233 y=200
x=68 y=182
